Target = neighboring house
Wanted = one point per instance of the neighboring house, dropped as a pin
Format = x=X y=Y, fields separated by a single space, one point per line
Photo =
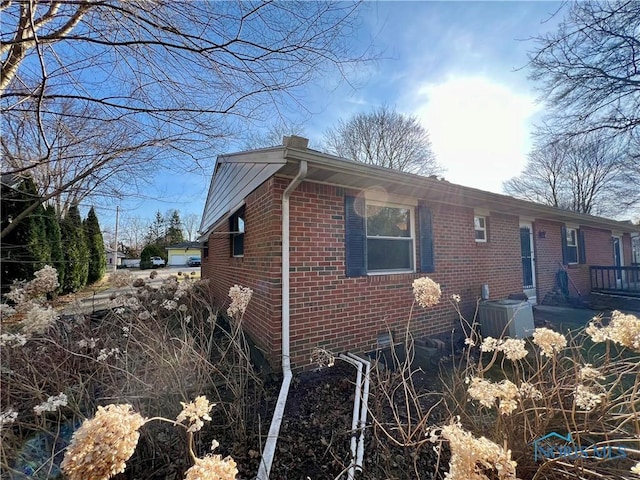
x=353 y=237
x=179 y=253
x=113 y=257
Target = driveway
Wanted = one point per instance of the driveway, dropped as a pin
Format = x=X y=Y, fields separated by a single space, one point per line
x=99 y=299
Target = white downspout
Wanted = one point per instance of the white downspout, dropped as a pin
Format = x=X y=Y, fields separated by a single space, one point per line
x=274 y=430
x=363 y=409
x=356 y=413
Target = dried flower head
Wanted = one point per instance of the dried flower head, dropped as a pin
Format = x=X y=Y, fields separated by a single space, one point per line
x=587 y=372
x=487 y=393
x=513 y=348
x=12 y=340
x=101 y=447
x=121 y=278
x=52 y=404
x=456 y=298
x=550 y=342
x=623 y=329
x=38 y=319
x=587 y=398
x=213 y=467
x=323 y=358
x=471 y=456
x=195 y=412
x=426 y=292
x=240 y=297
x=8 y=417
x=45 y=281
x=636 y=469
x=527 y=390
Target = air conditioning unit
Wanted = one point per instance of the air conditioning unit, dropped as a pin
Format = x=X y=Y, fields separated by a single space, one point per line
x=506 y=318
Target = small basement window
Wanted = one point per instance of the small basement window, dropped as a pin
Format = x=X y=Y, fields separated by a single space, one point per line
x=236 y=226
x=480 y=225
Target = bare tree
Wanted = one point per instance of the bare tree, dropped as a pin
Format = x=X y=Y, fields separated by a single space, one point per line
x=588 y=174
x=170 y=78
x=273 y=135
x=385 y=138
x=190 y=224
x=589 y=69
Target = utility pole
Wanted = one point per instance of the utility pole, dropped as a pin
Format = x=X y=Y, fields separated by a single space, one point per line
x=115 y=250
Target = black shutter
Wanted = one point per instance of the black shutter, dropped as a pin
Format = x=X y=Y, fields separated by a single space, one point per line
x=565 y=253
x=355 y=237
x=427 y=260
x=582 y=254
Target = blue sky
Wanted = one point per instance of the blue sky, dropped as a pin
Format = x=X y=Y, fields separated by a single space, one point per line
x=460 y=67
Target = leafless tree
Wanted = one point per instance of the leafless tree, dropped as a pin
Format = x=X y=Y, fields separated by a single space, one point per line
x=588 y=174
x=589 y=69
x=385 y=138
x=190 y=224
x=169 y=78
x=273 y=135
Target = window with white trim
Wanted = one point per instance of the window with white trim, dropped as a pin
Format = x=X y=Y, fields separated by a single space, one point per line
x=236 y=226
x=480 y=226
x=390 y=239
x=571 y=245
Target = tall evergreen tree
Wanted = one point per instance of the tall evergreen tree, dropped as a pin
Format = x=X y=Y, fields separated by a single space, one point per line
x=52 y=228
x=174 y=231
x=76 y=253
x=25 y=249
x=95 y=245
x=157 y=231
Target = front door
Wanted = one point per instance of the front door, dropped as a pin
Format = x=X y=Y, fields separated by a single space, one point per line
x=528 y=261
x=617 y=257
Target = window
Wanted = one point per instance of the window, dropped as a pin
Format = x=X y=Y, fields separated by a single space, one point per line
x=571 y=239
x=236 y=226
x=480 y=225
x=573 y=250
x=381 y=237
x=389 y=237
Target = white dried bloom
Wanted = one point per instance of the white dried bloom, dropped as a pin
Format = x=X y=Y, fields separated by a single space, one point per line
x=132 y=302
x=489 y=344
x=121 y=278
x=587 y=398
x=187 y=319
x=636 y=469
x=527 y=390
x=212 y=467
x=100 y=448
x=513 y=349
x=323 y=358
x=597 y=333
x=469 y=341
x=126 y=331
x=169 y=304
x=487 y=393
x=426 y=292
x=195 y=412
x=144 y=315
x=52 y=404
x=119 y=310
x=104 y=354
x=182 y=308
x=6 y=310
x=550 y=342
x=17 y=294
x=240 y=297
x=8 y=417
x=456 y=298
x=624 y=329
x=587 y=372
x=38 y=319
x=45 y=281
x=90 y=344
x=12 y=340
x=471 y=456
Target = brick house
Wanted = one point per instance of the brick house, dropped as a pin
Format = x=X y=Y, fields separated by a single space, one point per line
x=355 y=237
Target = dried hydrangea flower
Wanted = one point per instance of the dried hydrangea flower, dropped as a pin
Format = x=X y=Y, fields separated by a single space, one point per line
x=487 y=393
x=323 y=358
x=240 y=297
x=471 y=456
x=195 y=412
x=8 y=417
x=549 y=341
x=513 y=349
x=39 y=319
x=426 y=292
x=52 y=404
x=587 y=372
x=121 y=278
x=101 y=447
x=587 y=398
x=12 y=340
x=45 y=280
x=213 y=467
x=527 y=390
x=636 y=469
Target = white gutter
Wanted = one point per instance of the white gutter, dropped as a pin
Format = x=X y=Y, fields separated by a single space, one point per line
x=274 y=430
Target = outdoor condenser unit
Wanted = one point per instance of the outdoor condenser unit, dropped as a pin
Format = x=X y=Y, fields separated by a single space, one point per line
x=506 y=318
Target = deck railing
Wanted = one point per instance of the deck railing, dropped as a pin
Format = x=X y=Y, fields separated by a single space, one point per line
x=612 y=279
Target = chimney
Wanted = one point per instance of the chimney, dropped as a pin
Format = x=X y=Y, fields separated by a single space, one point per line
x=294 y=141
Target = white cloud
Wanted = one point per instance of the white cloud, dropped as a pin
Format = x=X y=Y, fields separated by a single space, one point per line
x=479 y=129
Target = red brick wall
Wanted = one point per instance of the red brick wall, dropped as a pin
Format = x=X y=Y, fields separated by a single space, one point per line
x=259 y=269
x=598 y=251
x=332 y=311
